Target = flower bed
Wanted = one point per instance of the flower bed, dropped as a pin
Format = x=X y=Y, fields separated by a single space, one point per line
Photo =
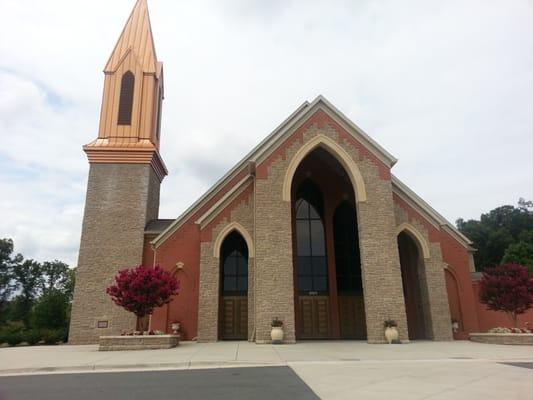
x=138 y=342
x=503 y=338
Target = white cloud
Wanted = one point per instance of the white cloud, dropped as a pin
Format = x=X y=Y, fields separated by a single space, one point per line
x=447 y=87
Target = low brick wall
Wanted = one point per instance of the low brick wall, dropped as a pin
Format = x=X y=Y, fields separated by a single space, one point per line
x=503 y=338
x=145 y=342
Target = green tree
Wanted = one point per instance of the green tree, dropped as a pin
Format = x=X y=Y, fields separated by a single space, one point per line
x=497 y=230
x=7 y=263
x=51 y=310
x=56 y=275
x=520 y=253
x=28 y=281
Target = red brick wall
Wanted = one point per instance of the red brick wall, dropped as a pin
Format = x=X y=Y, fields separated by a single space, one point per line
x=184 y=246
x=321 y=119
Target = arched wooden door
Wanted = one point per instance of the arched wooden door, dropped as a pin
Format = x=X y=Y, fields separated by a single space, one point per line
x=233 y=313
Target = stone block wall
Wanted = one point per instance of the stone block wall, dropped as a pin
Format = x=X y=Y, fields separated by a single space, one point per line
x=121 y=198
x=433 y=284
x=382 y=283
x=209 y=292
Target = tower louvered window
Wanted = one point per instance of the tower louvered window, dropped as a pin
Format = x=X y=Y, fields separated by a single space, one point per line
x=126 y=99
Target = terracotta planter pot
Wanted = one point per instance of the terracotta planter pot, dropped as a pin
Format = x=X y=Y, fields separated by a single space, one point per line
x=391 y=334
x=276 y=334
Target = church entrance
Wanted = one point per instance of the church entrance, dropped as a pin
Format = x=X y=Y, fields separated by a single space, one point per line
x=233 y=312
x=328 y=289
x=414 y=287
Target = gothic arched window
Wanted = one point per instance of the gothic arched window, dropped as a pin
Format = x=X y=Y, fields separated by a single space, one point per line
x=310 y=240
x=234 y=259
x=125 y=104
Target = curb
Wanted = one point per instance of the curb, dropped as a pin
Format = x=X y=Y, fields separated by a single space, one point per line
x=184 y=365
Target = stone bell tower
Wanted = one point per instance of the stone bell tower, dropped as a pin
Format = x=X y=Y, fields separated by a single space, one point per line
x=125 y=174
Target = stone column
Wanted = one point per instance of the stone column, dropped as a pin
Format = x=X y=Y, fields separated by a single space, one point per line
x=121 y=199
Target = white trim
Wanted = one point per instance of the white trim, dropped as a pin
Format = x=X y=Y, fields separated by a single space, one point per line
x=417 y=235
x=220 y=183
x=336 y=151
x=210 y=214
x=233 y=226
x=428 y=212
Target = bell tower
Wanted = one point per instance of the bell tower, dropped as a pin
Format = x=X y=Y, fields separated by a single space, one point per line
x=125 y=174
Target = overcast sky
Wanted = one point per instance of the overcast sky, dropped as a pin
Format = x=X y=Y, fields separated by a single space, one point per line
x=445 y=86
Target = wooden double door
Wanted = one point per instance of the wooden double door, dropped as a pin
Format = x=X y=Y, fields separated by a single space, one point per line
x=234 y=318
x=317 y=319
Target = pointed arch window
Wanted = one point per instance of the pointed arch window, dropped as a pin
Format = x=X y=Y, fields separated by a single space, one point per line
x=125 y=105
x=310 y=240
x=234 y=263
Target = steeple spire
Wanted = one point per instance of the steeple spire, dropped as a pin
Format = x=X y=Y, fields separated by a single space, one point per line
x=130 y=119
x=136 y=37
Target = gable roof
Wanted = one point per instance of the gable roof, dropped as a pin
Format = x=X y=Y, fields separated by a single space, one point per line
x=273 y=141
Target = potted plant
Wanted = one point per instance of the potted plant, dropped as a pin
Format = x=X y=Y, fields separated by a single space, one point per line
x=277 y=331
x=391 y=330
x=176 y=326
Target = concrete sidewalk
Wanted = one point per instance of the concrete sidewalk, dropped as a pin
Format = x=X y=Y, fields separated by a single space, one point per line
x=189 y=355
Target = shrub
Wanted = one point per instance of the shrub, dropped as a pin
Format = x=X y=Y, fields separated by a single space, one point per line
x=51 y=336
x=13 y=338
x=32 y=337
x=507 y=288
x=51 y=310
x=141 y=289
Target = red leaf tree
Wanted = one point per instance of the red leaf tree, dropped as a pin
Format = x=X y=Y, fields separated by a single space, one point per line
x=507 y=288
x=141 y=289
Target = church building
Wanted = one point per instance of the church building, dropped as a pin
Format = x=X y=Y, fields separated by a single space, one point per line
x=310 y=227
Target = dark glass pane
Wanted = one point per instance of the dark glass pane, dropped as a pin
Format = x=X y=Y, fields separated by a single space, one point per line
x=230 y=284
x=342 y=284
x=302 y=238
x=313 y=214
x=242 y=283
x=318 y=244
x=125 y=104
x=320 y=266
x=229 y=266
x=302 y=209
x=304 y=266
x=320 y=283
x=242 y=266
x=305 y=283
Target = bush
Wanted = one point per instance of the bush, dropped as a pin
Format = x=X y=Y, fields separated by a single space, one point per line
x=13 y=338
x=32 y=337
x=51 y=336
x=51 y=310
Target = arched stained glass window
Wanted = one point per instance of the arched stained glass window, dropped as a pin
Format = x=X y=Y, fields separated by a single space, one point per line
x=310 y=240
x=234 y=265
x=125 y=104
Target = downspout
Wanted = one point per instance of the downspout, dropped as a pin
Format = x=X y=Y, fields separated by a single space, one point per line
x=154 y=249
x=252 y=166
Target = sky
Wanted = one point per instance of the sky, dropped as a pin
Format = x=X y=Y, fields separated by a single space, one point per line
x=445 y=86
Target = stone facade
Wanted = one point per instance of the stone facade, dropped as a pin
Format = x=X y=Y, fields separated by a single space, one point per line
x=208 y=307
x=432 y=281
x=121 y=198
x=145 y=342
x=379 y=253
x=503 y=338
